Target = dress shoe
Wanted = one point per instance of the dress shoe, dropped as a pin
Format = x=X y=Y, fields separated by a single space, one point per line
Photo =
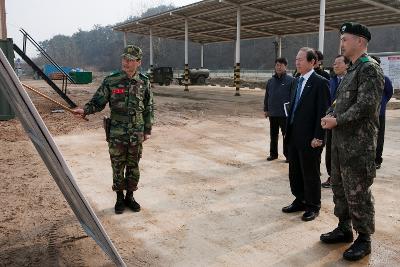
x=359 y=249
x=337 y=236
x=309 y=215
x=327 y=184
x=293 y=208
x=272 y=158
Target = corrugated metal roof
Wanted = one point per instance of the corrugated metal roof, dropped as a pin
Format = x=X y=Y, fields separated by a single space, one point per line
x=212 y=21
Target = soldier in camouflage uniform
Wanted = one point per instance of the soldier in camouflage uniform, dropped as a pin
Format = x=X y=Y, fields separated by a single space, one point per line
x=354 y=124
x=129 y=96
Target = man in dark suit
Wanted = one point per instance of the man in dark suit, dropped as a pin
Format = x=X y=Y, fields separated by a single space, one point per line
x=304 y=135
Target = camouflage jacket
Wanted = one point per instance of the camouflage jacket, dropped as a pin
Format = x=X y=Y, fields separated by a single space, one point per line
x=357 y=107
x=130 y=101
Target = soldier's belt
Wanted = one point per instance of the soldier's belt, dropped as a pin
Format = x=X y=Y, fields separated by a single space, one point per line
x=121 y=118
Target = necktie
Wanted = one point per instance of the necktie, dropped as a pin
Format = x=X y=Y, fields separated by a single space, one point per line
x=297 y=97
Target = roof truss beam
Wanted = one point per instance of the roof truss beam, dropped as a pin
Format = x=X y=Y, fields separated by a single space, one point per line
x=224 y=26
x=206 y=36
x=380 y=5
x=348 y=12
x=266 y=12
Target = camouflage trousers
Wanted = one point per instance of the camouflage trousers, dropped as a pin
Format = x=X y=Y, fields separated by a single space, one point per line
x=352 y=175
x=125 y=157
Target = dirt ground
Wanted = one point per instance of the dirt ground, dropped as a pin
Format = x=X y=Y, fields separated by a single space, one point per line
x=208 y=195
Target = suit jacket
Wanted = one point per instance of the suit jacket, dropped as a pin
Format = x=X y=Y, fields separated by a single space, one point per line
x=313 y=103
x=333 y=86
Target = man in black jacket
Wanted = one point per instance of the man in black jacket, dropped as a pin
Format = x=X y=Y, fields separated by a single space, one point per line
x=318 y=65
x=277 y=93
x=304 y=135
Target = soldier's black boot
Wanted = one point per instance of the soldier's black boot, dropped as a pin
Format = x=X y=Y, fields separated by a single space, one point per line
x=359 y=249
x=337 y=236
x=131 y=203
x=119 y=205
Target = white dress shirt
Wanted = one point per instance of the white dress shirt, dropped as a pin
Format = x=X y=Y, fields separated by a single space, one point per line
x=305 y=77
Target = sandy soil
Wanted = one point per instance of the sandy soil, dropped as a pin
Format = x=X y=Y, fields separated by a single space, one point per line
x=209 y=196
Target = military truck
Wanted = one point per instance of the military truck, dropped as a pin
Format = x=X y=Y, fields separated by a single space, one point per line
x=163 y=75
x=196 y=76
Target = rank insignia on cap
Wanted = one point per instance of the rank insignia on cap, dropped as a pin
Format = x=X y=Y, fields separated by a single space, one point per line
x=355 y=29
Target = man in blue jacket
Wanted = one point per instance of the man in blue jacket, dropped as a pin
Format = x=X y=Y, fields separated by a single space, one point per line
x=386 y=96
x=277 y=93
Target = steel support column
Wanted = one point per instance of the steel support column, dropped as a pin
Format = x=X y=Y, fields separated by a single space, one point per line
x=24 y=43
x=321 y=26
x=125 y=39
x=202 y=56
x=279 y=46
x=151 y=57
x=3 y=24
x=237 y=57
x=186 y=55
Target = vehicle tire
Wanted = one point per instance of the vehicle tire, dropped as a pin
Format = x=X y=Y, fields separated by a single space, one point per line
x=167 y=82
x=201 y=80
x=160 y=84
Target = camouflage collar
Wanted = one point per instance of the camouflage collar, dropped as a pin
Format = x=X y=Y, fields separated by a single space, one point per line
x=364 y=58
x=135 y=77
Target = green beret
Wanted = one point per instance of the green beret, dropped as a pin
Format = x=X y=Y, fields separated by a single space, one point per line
x=132 y=52
x=356 y=29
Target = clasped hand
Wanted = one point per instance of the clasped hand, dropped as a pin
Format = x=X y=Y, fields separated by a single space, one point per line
x=328 y=122
x=316 y=143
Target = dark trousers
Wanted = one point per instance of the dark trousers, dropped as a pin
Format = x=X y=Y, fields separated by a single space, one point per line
x=305 y=182
x=381 y=140
x=328 y=152
x=274 y=124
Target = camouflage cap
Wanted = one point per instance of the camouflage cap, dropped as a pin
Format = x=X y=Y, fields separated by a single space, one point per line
x=132 y=52
x=356 y=29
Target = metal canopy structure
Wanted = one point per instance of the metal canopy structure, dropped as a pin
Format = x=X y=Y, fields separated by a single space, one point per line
x=213 y=21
